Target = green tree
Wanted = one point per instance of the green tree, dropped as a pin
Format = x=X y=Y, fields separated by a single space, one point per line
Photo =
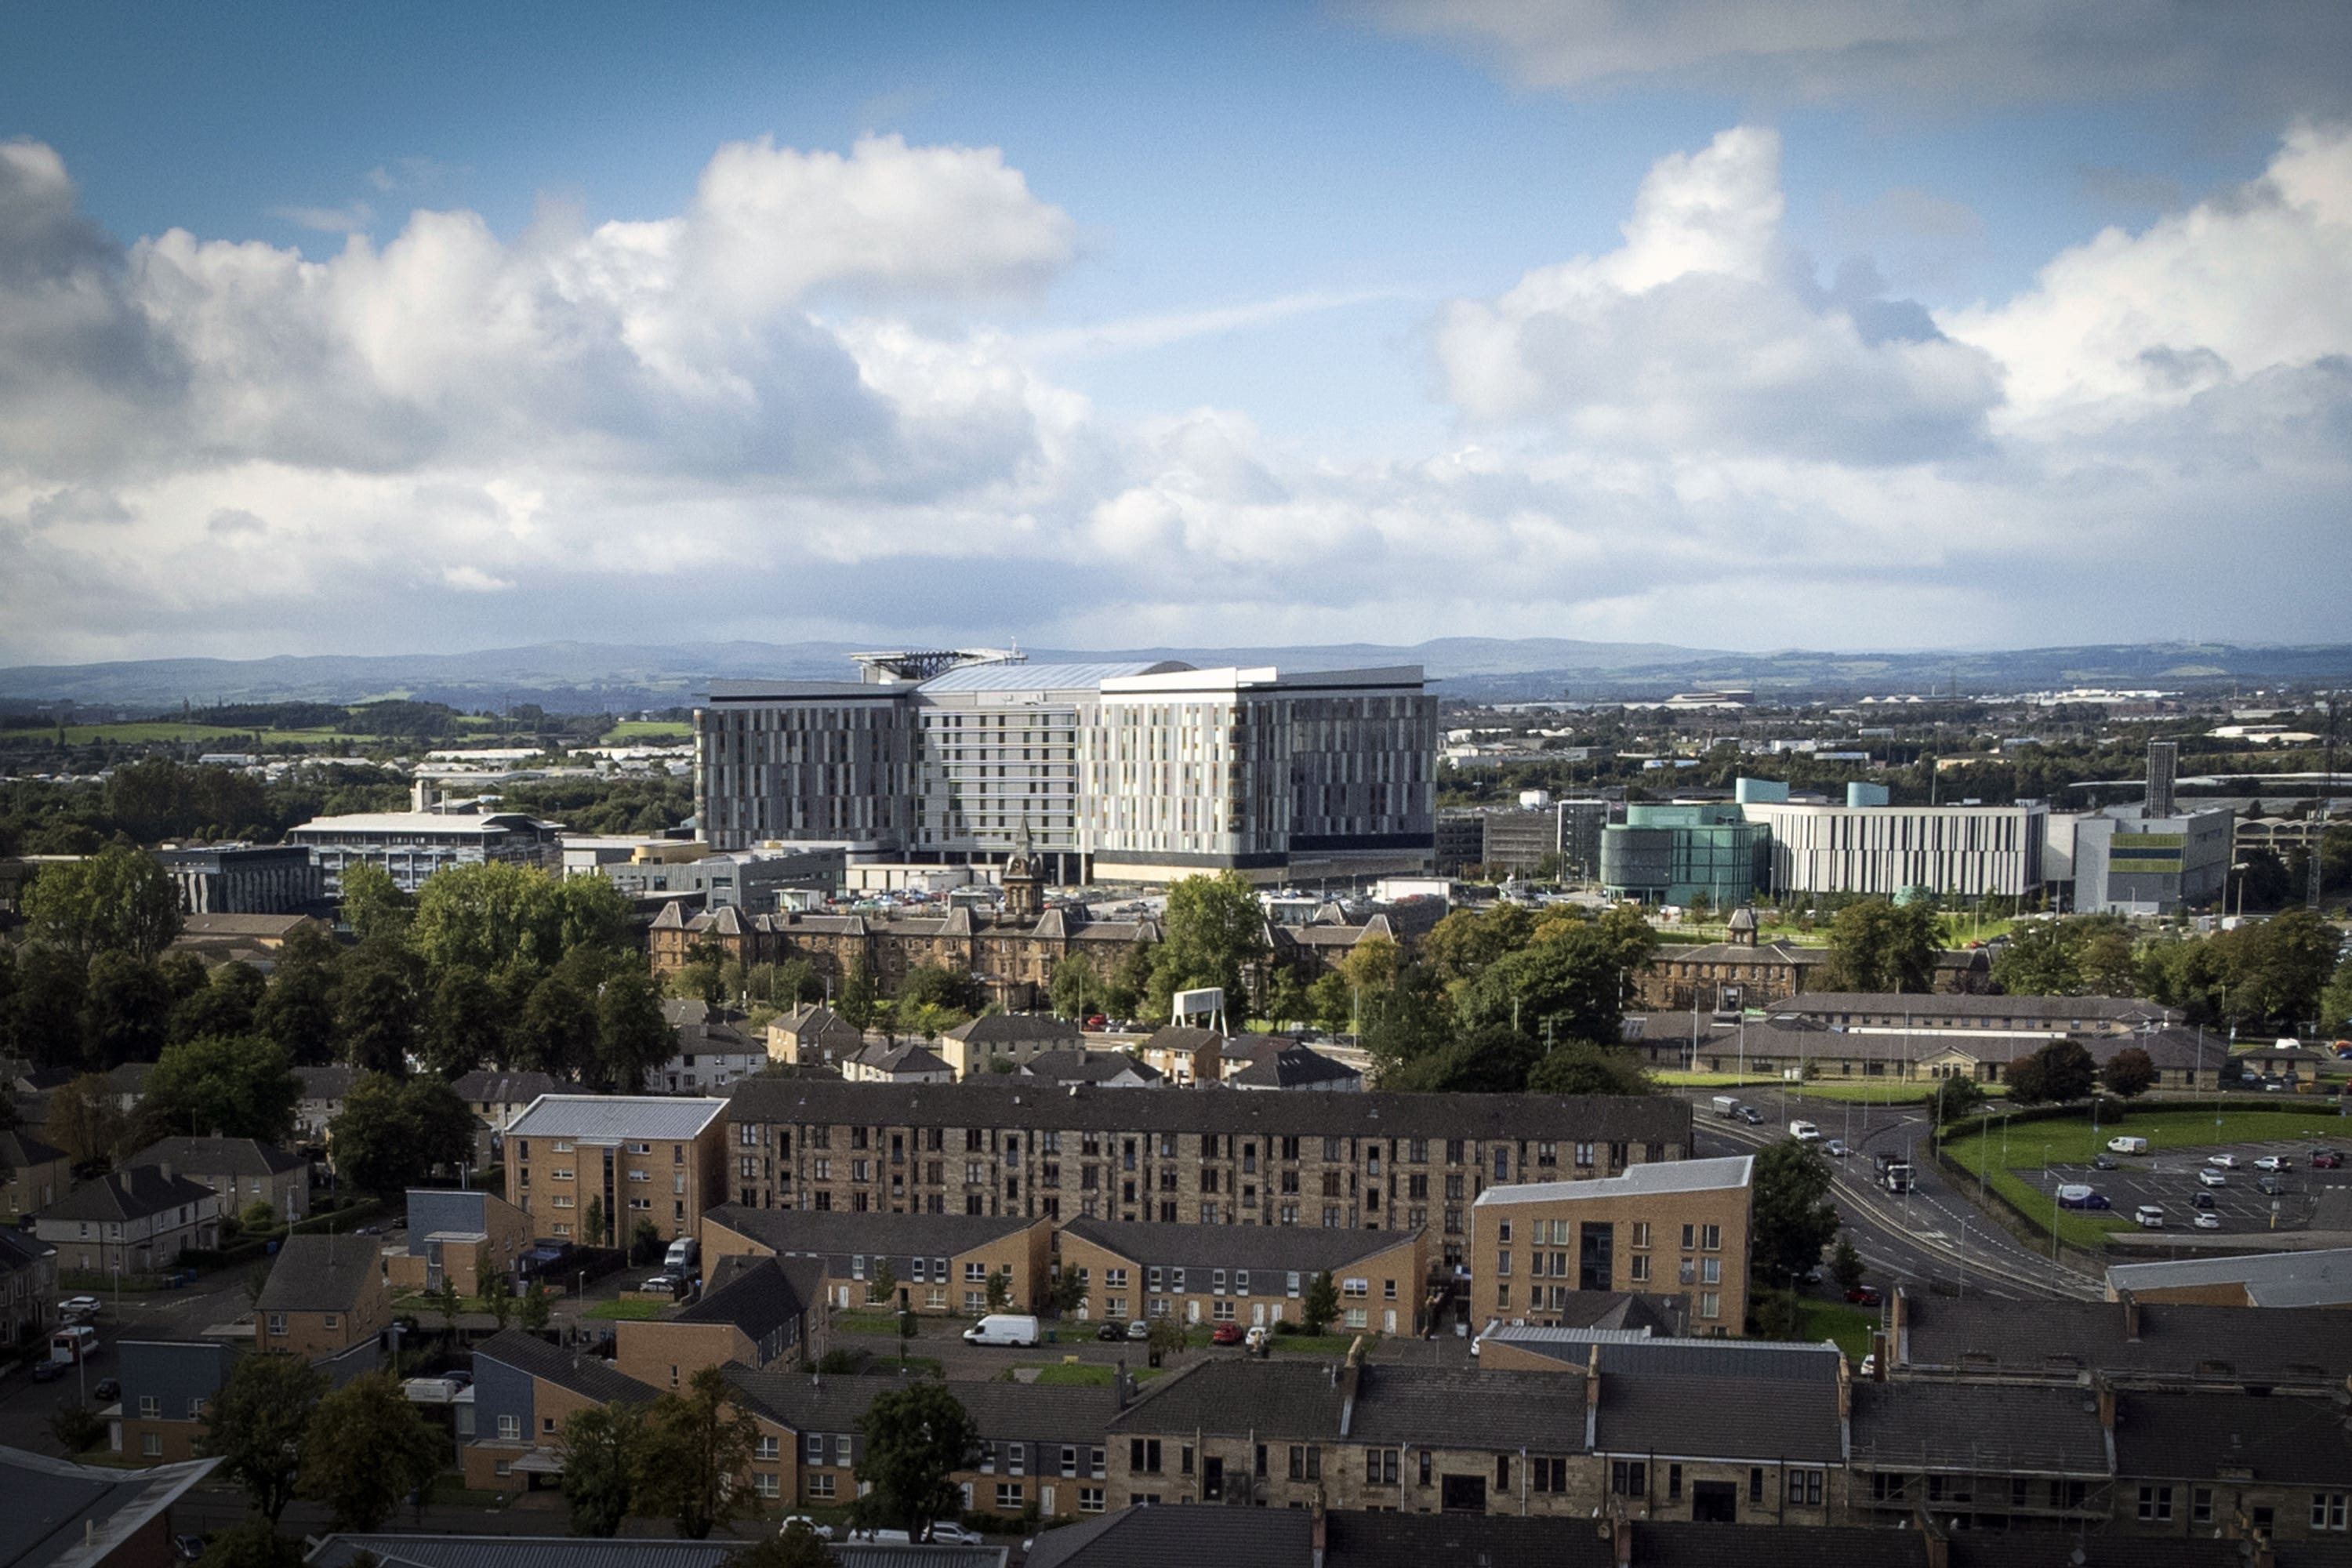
x=2059 y=1072
x=633 y=1037
x=2039 y=959
x=2129 y=1073
x=536 y=1309
x=1954 y=1099
x=1465 y=944
x=256 y=1425
x=1569 y=988
x=2278 y=968
x=44 y=1024
x=1066 y=1293
x=1213 y=934
x=126 y=1010
x=1877 y=946
x=942 y=987
x=916 y=1439
x=497 y=1294
x=883 y=1286
x=1791 y=1218
x=859 y=995
x=366 y=1448
x=1000 y=1290
x=2335 y=1001
x=1319 y=1308
x=255 y=1543
x=1580 y=1067
x=242 y=1087
x=224 y=1006
x=694 y=1446
x=795 y=1546
x=558 y=1029
x=645 y=1243
x=1076 y=987
x=464 y=1023
x=392 y=1133
x=601 y=1459
x=373 y=905
x=76 y=1426
x=1494 y=1058
x=120 y=899
x=1167 y=1337
x=85 y=1120
x=379 y=1007
x=1845 y=1266
x=591 y=1223
x=297 y=1011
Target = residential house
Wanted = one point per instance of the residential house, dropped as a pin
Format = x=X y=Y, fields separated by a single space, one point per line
x=1188 y=1054
x=584 y=1165
x=38 y=1175
x=496 y=1097
x=813 y=1034
x=1992 y=1455
x=137 y=1221
x=2197 y=1464
x=1001 y=1042
x=524 y=1390
x=325 y=1294
x=129 y=1082
x=1104 y=1069
x=1680 y=1226
x=754 y=1311
x=941 y=1263
x=1295 y=1066
x=468 y=1237
x=905 y=1062
x=713 y=1049
x=1248 y=1274
x=166 y=1387
x=242 y=1171
x=1727 y=976
x=323 y=1090
x=2126 y=1342
x=28 y=1287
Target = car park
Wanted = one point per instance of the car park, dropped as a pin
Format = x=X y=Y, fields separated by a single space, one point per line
x=2209 y=1177
x=2207 y=1222
x=2223 y=1162
x=1226 y=1334
x=2274 y=1163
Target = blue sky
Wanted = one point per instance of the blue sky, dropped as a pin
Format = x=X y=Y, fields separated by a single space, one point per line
x=1192 y=323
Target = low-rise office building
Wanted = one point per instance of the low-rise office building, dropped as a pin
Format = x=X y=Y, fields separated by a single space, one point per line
x=918 y=1263
x=1253 y=1275
x=1680 y=1226
x=242 y=879
x=412 y=845
x=1674 y=854
x=576 y=1162
x=1374 y=1160
x=241 y=1172
x=325 y=1294
x=1866 y=847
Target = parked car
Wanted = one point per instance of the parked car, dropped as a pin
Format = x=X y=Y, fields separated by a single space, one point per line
x=2106 y=1162
x=2271 y=1186
x=2148 y=1217
x=108 y=1390
x=2274 y=1163
x=1865 y=1296
x=2207 y=1222
x=78 y=1307
x=2209 y=1177
x=1095 y=1021
x=2075 y=1195
x=48 y=1370
x=1003 y=1328
x=1137 y=1329
x=1260 y=1339
x=2327 y=1160
x=2201 y=1201
x=1226 y=1334
x=948 y=1533
x=2223 y=1162
x=1111 y=1332
x=187 y=1548
x=823 y=1533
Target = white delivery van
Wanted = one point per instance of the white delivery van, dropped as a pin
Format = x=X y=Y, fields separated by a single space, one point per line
x=1726 y=1105
x=683 y=1254
x=1804 y=1133
x=1003 y=1328
x=2126 y=1145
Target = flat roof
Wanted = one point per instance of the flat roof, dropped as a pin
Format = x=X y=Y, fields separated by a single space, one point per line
x=614 y=1118
x=2299 y=1279
x=1087 y=676
x=1664 y=1176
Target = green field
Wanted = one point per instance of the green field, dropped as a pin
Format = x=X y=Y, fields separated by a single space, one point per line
x=626 y=1312
x=1849 y=1326
x=649 y=731
x=1841 y=1091
x=148 y=733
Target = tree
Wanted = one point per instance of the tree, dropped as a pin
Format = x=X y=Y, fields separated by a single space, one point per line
x=633 y=1037
x=1214 y=935
x=255 y=1426
x=1845 y=1266
x=126 y=1010
x=940 y=985
x=450 y=1304
x=76 y=1426
x=255 y=1543
x=916 y=1439
x=1878 y=946
x=242 y=1088
x=379 y=1007
x=1000 y=1290
x=601 y=1458
x=2336 y=1002
x=464 y=1023
x=497 y=1294
x=696 y=1445
x=224 y=1005
x=1075 y=985
x=1373 y=966
x=536 y=1309
x=1570 y=988
x=1791 y=1218
x=645 y=1243
x=795 y=1546
x=2039 y=959
x=1067 y=1293
x=299 y=1009
x=373 y=905
x=2130 y=1073
x=85 y=1120
x=1578 y=1068
x=1954 y=1098
x=883 y=1286
x=1319 y=1308
x=1465 y=944
x=1492 y=1060
x=1166 y=1337
x=591 y=1223
x=2059 y=1072
x=2278 y=968
x=366 y=1448
x=120 y=899
x=858 y=996
x=557 y=1032
x=393 y=1133
x=48 y=1020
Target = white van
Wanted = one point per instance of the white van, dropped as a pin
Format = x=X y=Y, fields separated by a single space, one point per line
x=2125 y=1144
x=1804 y=1133
x=1003 y=1328
x=683 y=1254
x=2148 y=1217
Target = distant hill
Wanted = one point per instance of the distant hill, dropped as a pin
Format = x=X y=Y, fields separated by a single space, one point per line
x=581 y=677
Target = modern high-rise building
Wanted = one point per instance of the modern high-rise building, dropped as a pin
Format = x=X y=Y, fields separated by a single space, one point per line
x=1115 y=771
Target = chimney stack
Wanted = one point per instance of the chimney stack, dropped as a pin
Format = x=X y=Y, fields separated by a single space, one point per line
x=2131 y=1313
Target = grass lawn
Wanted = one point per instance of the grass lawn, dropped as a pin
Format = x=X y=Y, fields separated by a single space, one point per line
x=647 y=732
x=450 y=1490
x=139 y=733
x=854 y=1322
x=1673 y=1078
x=626 y=1312
x=1885 y=1091
x=1849 y=1326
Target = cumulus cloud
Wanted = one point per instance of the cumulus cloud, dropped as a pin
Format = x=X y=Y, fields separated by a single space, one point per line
x=2282 y=57
x=1701 y=332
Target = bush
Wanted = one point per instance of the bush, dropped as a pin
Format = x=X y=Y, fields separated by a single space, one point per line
x=1285 y=1327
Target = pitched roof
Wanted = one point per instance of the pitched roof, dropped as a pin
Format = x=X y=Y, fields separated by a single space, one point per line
x=326 y=1083
x=487 y=1087
x=700 y=1028
x=1617 y=1311
x=1087 y=1067
x=753 y=1294
x=2328 y=1268
x=907 y=1056
x=825 y=1232
x=1276 y=1250
x=320 y=1274
x=1156 y=1537
x=1293 y=1066
x=1727 y=1173
x=1004 y=1412
x=19 y=1150
x=1017 y=1028
x=219 y=1156
x=2295 y=1346
x=2046 y=1011
x=405 y=1549
x=1542 y=1412
x=614 y=1118
x=2280 y=1441
x=59 y=1512
x=127 y=1195
x=582 y=1375
x=19 y=1250
x=1013 y=1103
x=1228 y=1398
x=2005 y=1428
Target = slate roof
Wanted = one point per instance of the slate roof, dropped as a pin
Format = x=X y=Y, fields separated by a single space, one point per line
x=482 y=1086
x=2280 y=1439
x=1542 y=1412
x=1293 y=1066
x=1004 y=1412
x=1157 y=1537
x=1275 y=1248
x=582 y=1375
x=1087 y=1067
x=698 y=1028
x=1014 y=1104
x=19 y=1250
x=1229 y=1398
x=836 y=1234
x=326 y=1083
x=1018 y=1028
x=401 y=1549
x=219 y=1156
x=126 y=1196
x=1705 y=1399
x=320 y=1274
x=20 y=1149
x=2046 y=1012
x=2300 y=1346
x=1684 y=1545
x=2006 y=1429
x=907 y=1056
x=756 y=1294
x=615 y=1118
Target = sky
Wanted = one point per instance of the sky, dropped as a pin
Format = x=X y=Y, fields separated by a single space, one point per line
x=1834 y=324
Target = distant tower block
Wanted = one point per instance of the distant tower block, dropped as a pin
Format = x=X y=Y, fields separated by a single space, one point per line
x=2163 y=767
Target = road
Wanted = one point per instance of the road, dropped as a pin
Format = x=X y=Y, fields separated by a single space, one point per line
x=1933 y=1239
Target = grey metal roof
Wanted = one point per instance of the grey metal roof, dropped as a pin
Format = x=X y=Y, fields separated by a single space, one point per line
x=1667 y=1176
x=2330 y=1267
x=1276 y=1249
x=320 y=1274
x=403 y=1551
x=1045 y=677
x=615 y=1118
x=1999 y=1429
x=485 y=1087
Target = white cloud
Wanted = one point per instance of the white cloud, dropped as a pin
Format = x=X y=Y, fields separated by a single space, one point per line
x=1129 y=333
x=353 y=217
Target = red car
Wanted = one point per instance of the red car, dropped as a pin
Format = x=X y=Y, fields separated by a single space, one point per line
x=1865 y=1296
x=1226 y=1334
x=2326 y=1160
x=1095 y=1021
